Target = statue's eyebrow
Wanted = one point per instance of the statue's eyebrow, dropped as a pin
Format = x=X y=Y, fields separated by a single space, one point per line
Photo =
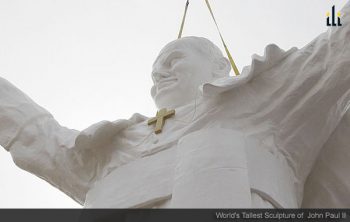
x=167 y=55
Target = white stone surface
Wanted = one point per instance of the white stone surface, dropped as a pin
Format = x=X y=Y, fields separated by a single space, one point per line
x=208 y=164
x=285 y=106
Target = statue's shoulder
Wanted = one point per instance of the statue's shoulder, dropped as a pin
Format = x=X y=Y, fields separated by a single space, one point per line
x=102 y=132
x=273 y=55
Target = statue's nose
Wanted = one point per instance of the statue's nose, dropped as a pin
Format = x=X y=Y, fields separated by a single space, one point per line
x=157 y=76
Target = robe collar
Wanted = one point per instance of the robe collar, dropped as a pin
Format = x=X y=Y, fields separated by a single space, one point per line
x=272 y=56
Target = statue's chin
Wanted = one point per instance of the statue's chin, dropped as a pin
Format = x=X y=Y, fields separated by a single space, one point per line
x=173 y=97
x=170 y=101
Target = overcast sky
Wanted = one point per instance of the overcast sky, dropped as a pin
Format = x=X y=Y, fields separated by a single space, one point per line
x=87 y=61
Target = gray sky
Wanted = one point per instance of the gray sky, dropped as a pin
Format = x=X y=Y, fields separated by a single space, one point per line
x=87 y=61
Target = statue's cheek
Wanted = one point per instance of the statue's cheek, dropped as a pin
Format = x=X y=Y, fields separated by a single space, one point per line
x=153 y=91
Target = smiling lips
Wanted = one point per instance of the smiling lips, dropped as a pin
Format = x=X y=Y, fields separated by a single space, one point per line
x=165 y=82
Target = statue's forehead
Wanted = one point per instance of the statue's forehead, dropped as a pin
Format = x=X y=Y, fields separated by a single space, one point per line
x=175 y=46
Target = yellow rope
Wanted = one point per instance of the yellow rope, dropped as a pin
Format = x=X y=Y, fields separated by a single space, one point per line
x=234 y=67
x=183 y=20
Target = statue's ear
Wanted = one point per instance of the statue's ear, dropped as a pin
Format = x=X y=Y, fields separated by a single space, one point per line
x=223 y=67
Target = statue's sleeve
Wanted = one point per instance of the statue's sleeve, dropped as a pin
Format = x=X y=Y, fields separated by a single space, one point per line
x=312 y=99
x=68 y=159
x=16 y=111
x=328 y=185
x=315 y=96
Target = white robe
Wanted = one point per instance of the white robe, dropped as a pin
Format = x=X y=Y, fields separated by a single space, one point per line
x=284 y=108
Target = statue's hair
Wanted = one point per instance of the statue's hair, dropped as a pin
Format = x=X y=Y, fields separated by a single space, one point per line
x=205 y=46
x=202 y=44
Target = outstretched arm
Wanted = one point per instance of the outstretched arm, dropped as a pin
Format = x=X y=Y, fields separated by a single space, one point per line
x=318 y=94
x=38 y=144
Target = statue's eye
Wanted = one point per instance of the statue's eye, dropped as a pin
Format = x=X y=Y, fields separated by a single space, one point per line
x=173 y=58
x=174 y=61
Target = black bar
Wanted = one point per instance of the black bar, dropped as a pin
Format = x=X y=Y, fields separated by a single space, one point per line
x=176 y=215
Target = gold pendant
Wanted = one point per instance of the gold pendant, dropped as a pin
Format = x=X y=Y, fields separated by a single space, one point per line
x=160 y=118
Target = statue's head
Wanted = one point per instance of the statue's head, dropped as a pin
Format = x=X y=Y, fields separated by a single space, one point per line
x=182 y=66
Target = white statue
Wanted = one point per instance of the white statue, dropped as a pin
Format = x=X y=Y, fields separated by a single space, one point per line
x=272 y=137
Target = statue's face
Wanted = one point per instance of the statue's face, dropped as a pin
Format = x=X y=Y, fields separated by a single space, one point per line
x=178 y=72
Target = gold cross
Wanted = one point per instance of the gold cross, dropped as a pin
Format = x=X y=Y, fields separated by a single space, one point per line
x=160 y=118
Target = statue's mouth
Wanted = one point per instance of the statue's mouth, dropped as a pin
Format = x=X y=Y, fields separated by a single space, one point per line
x=165 y=83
